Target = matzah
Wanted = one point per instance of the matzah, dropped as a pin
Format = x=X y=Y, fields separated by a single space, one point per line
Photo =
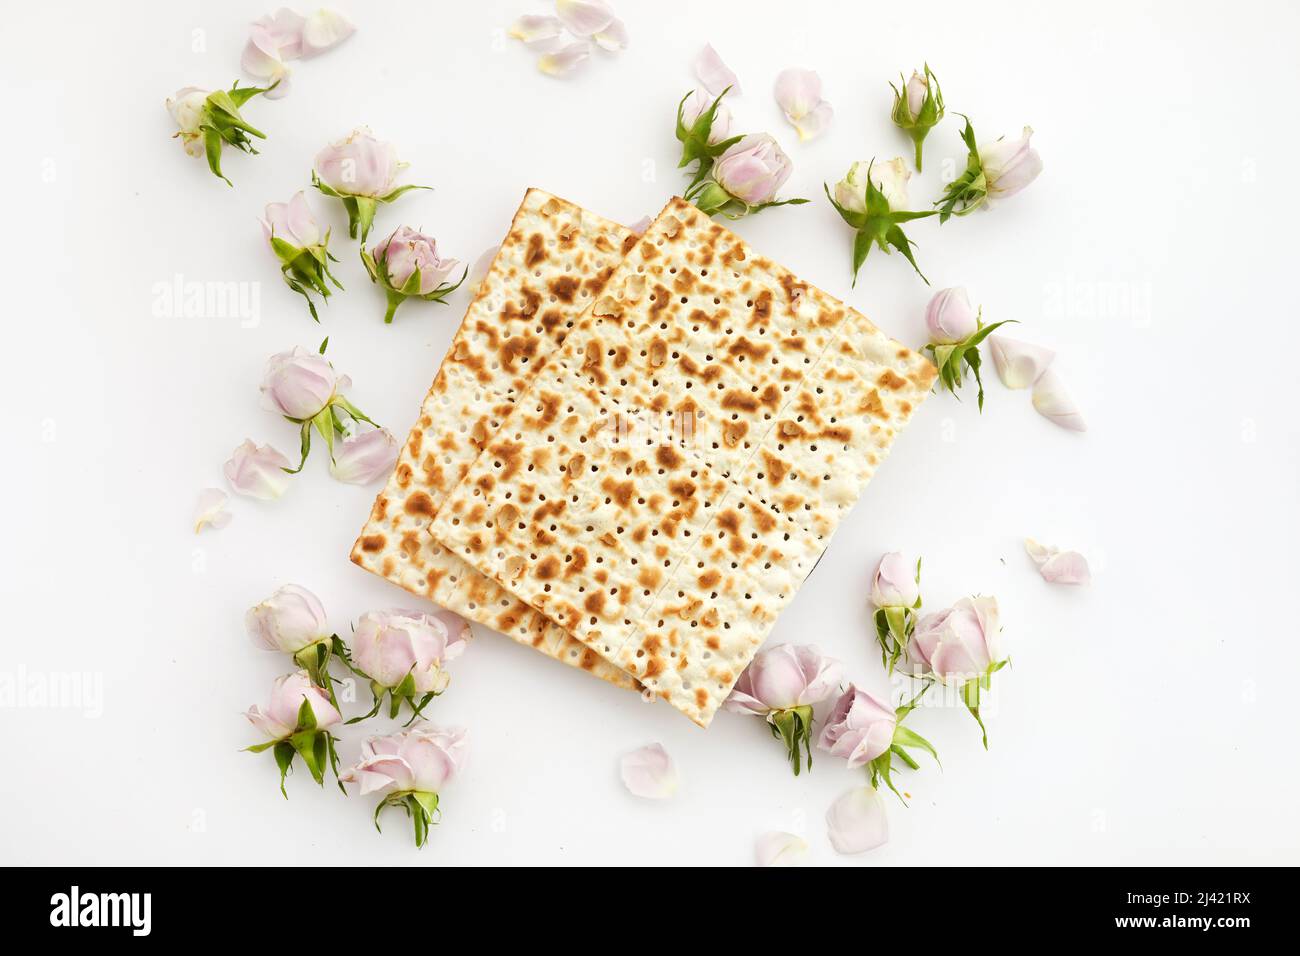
x=552 y=264
x=673 y=473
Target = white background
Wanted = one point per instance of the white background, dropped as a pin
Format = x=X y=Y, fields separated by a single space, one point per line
x=1147 y=719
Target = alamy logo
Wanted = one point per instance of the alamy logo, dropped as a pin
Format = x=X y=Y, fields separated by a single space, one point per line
x=102 y=909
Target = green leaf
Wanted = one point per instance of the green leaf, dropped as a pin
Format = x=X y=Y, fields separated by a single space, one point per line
x=896 y=238
x=323 y=345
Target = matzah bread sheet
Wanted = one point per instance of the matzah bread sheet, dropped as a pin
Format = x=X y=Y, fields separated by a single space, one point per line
x=551 y=266
x=671 y=476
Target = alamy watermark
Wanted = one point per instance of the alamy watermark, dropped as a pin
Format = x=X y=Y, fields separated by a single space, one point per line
x=53 y=690
x=182 y=298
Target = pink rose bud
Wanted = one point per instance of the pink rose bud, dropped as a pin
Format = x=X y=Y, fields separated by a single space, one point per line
x=280 y=718
x=753 y=170
x=1010 y=165
x=364 y=457
x=411 y=768
x=359 y=165
x=406 y=252
x=859 y=729
x=299 y=383
x=257 y=471
x=697 y=103
x=289 y=620
x=950 y=316
x=894 y=583
x=293 y=222
x=960 y=643
x=917 y=88
x=186 y=109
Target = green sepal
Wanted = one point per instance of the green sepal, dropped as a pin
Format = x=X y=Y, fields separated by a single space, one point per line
x=952 y=359
x=284 y=760
x=969 y=190
x=696 y=147
x=878 y=225
x=793 y=727
x=712 y=199
x=931 y=112
x=421 y=806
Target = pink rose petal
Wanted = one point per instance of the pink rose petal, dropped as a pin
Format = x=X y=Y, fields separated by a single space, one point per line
x=649 y=772
x=780 y=849
x=1054 y=403
x=210 y=512
x=1057 y=566
x=584 y=18
x=613 y=38
x=563 y=60
x=856 y=821
x=714 y=74
x=1019 y=364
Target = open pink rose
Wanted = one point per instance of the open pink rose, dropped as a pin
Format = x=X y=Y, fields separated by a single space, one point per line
x=359 y=165
x=782 y=677
x=421 y=760
x=958 y=644
x=389 y=645
x=407 y=251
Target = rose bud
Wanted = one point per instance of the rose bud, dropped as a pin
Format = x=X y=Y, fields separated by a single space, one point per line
x=407 y=266
x=896 y=593
x=918 y=107
x=703 y=124
x=412 y=766
x=956 y=332
x=301 y=247
x=867 y=732
x=258 y=471
x=360 y=171
x=297 y=721
x=698 y=103
x=403 y=654
x=207 y=121
x=995 y=171
x=365 y=456
x=292 y=621
x=781 y=684
x=745 y=179
x=304 y=388
x=872 y=198
x=960 y=647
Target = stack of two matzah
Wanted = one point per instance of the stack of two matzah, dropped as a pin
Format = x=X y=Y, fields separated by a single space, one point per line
x=637 y=448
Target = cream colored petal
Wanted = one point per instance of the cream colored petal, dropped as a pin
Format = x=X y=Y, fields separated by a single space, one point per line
x=1019 y=364
x=1054 y=403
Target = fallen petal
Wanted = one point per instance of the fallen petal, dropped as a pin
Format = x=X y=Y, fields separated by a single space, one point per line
x=534 y=28
x=478 y=272
x=641 y=225
x=613 y=38
x=713 y=73
x=564 y=59
x=1053 y=402
x=814 y=123
x=780 y=849
x=797 y=91
x=210 y=512
x=257 y=471
x=324 y=30
x=1019 y=364
x=364 y=456
x=261 y=60
x=284 y=27
x=584 y=17
x=856 y=821
x=649 y=772
x=1057 y=566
